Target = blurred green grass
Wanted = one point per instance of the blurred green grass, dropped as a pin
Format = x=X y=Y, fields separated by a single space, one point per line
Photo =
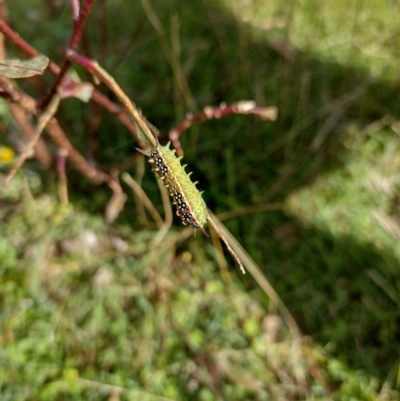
x=92 y=312
x=331 y=158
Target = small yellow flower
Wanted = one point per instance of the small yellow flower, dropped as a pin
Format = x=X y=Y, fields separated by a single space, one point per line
x=7 y=155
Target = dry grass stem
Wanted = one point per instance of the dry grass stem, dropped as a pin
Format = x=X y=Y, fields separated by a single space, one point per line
x=216 y=225
x=143 y=198
x=62 y=176
x=168 y=214
x=44 y=118
x=383 y=283
x=170 y=55
x=105 y=77
x=219 y=255
x=21 y=119
x=140 y=208
x=256 y=272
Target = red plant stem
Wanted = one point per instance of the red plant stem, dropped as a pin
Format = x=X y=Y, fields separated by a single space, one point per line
x=24 y=46
x=9 y=92
x=92 y=66
x=73 y=45
x=97 y=96
x=62 y=156
x=118 y=111
x=87 y=64
x=79 y=24
x=75 y=6
x=23 y=122
x=86 y=169
x=208 y=113
x=58 y=136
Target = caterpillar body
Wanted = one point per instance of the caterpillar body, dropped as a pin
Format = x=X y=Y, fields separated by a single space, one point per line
x=190 y=206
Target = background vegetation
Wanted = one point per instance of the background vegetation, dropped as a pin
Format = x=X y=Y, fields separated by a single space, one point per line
x=91 y=311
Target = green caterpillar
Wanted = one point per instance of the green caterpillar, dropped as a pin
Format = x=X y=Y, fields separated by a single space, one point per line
x=190 y=206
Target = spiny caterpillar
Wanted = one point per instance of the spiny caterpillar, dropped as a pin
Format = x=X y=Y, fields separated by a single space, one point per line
x=190 y=206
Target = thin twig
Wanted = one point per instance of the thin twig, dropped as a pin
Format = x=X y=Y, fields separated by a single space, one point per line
x=75 y=7
x=42 y=122
x=73 y=45
x=17 y=112
x=212 y=220
x=94 y=67
x=137 y=189
x=208 y=113
x=168 y=215
x=169 y=54
x=58 y=136
x=23 y=45
x=334 y=116
x=384 y=284
x=116 y=203
x=62 y=176
x=3 y=16
x=257 y=274
x=140 y=209
x=220 y=258
x=24 y=124
x=97 y=96
x=12 y=94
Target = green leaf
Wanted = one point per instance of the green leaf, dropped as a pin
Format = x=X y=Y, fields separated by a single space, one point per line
x=23 y=68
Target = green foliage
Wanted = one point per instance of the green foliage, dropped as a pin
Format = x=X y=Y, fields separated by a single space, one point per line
x=332 y=253
x=81 y=320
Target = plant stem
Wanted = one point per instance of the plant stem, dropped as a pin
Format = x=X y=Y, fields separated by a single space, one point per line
x=73 y=45
x=97 y=97
x=223 y=110
x=94 y=67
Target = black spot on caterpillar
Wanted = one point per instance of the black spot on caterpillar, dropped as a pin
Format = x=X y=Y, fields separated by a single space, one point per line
x=190 y=206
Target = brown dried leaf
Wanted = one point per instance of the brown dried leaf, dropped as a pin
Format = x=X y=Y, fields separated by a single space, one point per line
x=23 y=68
